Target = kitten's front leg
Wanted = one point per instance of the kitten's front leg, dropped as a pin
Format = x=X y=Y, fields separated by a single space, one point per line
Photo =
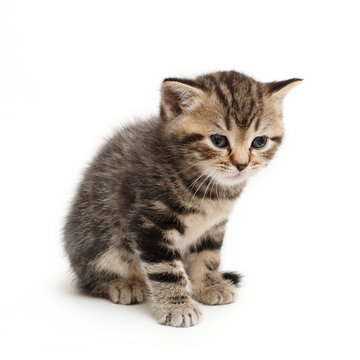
x=168 y=283
x=209 y=285
x=170 y=294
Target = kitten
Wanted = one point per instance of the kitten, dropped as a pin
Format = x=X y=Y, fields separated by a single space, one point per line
x=149 y=216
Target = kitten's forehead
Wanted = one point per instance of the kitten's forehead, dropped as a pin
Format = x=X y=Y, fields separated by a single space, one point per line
x=233 y=104
x=240 y=97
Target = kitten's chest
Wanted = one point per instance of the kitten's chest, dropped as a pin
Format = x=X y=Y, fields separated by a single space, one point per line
x=198 y=224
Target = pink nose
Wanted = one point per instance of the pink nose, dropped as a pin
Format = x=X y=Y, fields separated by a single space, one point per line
x=239 y=166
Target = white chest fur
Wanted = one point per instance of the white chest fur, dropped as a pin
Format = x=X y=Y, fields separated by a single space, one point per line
x=197 y=224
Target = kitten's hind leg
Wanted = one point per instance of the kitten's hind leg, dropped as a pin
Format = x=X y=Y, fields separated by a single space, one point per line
x=122 y=291
x=127 y=286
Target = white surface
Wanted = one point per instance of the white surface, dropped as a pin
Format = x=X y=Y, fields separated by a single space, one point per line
x=72 y=71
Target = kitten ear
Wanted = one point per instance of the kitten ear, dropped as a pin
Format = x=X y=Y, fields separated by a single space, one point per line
x=278 y=89
x=178 y=96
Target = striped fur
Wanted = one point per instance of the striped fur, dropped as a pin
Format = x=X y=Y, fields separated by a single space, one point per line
x=149 y=216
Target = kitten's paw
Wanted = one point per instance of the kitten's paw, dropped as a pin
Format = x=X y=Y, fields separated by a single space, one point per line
x=122 y=291
x=178 y=313
x=221 y=293
x=127 y=292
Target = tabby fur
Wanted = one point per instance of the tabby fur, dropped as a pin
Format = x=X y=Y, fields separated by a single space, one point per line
x=149 y=216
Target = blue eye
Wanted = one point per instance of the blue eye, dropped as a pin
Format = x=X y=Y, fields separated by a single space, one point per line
x=259 y=142
x=219 y=141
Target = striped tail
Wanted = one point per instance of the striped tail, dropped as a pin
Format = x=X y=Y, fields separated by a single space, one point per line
x=234 y=277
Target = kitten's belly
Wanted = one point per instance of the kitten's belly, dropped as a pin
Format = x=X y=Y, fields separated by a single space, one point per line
x=198 y=224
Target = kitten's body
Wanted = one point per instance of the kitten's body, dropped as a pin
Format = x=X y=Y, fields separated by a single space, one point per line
x=150 y=214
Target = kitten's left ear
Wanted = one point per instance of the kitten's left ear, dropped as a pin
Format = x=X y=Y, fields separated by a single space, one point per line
x=278 y=89
x=179 y=96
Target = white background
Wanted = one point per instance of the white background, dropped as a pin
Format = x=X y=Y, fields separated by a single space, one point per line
x=72 y=71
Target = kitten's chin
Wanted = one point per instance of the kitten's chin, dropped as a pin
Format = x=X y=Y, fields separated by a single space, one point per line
x=232 y=180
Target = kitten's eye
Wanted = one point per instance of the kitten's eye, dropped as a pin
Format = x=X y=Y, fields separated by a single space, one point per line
x=259 y=142
x=219 y=141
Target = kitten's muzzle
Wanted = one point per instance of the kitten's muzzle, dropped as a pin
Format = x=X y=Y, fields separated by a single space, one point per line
x=240 y=166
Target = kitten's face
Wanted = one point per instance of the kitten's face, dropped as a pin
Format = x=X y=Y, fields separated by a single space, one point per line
x=228 y=126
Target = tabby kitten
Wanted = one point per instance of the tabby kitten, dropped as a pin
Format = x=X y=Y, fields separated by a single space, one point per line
x=149 y=216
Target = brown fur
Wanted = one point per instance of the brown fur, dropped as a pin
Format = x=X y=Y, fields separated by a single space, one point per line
x=149 y=216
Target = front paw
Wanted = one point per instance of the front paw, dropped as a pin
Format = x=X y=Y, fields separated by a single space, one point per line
x=217 y=294
x=182 y=312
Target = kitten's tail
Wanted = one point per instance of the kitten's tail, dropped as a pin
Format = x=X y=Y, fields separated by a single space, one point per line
x=234 y=277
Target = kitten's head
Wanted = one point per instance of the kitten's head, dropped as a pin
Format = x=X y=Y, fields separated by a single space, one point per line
x=225 y=124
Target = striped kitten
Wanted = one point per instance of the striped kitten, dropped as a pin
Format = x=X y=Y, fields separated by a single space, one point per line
x=149 y=216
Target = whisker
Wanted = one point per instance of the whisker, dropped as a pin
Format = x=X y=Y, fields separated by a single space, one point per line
x=198 y=189
x=213 y=172
x=211 y=190
x=194 y=182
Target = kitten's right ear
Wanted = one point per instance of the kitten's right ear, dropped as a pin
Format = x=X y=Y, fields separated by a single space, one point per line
x=178 y=96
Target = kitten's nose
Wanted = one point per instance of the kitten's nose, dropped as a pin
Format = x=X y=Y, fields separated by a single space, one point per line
x=240 y=167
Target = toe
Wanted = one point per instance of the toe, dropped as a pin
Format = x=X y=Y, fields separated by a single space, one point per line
x=138 y=294
x=114 y=294
x=125 y=295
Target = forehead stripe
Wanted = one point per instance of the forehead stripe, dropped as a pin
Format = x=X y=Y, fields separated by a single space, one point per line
x=234 y=108
x=257 y=124
x=227 y=120
x=221 y=96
